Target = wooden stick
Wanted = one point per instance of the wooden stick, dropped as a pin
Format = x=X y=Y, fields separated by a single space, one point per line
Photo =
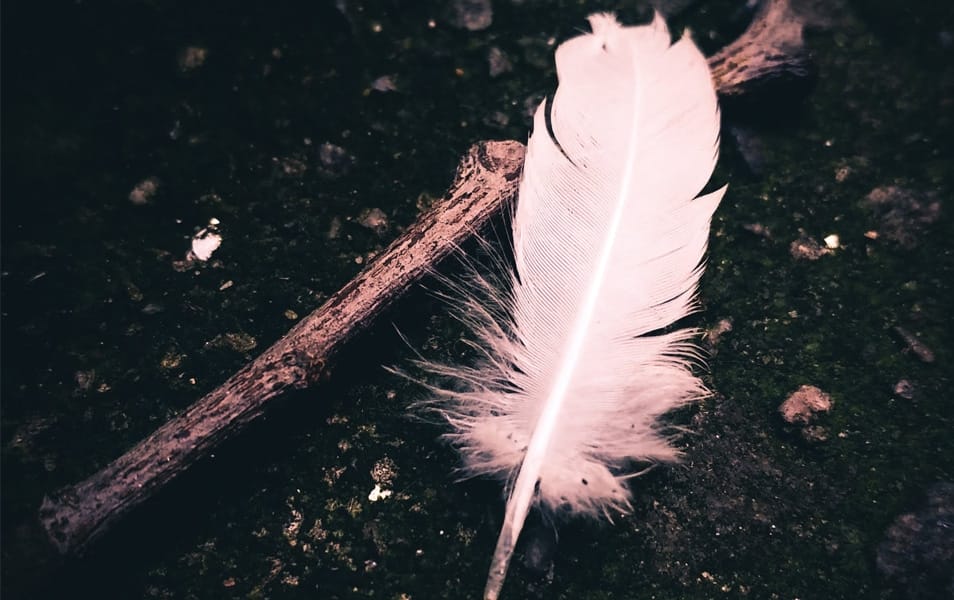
x=76 y=515
x=488 y=175
x=772 y=48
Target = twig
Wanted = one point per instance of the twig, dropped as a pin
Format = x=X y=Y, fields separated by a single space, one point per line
x=771 y=49
x=76 y=515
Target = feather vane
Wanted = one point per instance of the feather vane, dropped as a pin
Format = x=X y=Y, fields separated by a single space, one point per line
x=575 y=363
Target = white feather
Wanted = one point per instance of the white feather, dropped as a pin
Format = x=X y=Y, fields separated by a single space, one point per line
x=609 y=238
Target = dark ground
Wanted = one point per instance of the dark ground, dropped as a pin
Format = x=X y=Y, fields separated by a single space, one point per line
x=106 y=334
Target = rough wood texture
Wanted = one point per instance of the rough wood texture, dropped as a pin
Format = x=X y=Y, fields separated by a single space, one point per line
x=75 y=516
x=488 y=175
x=771 y=49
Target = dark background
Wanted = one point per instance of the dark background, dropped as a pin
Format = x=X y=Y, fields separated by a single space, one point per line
x=106 y=334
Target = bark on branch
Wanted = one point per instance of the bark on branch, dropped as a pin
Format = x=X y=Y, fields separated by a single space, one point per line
x=771 y=49
x=77 y=515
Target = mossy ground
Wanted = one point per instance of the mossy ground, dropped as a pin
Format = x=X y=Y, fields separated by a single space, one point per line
x=104 y=339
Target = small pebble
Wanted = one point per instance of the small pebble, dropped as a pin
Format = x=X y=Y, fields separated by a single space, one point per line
x=758 y=229
x=716 y=331
x=144 y=191
x=291 y=167
x=206 y=241
x=472 y=15
x=385 y=83
x=904 y=389
x=85 y=379
x=806 y=248
x=152 y=309
x=171 y=360
x=804 y=405
x=192 y=57
x=498 y=61
x=374 y=219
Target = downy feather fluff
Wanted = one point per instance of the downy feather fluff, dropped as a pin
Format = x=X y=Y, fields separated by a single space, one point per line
x=575 y=365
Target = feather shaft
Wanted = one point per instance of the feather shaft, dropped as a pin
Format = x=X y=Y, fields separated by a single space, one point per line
x=572 y=373
x=518 y=505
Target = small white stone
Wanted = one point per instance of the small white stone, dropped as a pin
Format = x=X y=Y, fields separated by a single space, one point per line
x=378 y=494
x=206 y=241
